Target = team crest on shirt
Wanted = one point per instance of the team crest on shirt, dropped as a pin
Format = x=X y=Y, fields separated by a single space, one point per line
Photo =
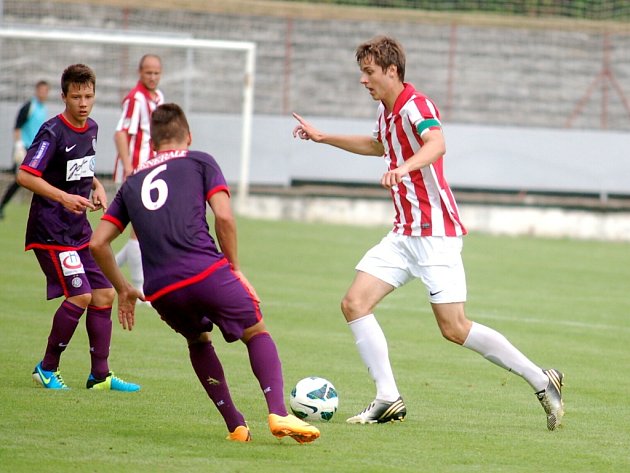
x=76 y=282
x=71 y=264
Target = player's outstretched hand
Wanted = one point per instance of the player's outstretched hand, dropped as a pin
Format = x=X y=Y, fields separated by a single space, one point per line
x=127 y=306
x=306 y=131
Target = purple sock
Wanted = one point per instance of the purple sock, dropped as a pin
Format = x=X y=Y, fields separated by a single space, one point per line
x=263 y=356
x=98 y=324
x=210 y=373
x=64 y=323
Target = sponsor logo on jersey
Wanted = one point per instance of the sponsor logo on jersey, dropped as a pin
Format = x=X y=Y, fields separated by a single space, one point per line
x=39 y=154
x=71 y=264
x=81 y=167
x=70 y=148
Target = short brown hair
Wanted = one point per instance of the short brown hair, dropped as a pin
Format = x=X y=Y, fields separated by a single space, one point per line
x=168 y=123
x=77 y=74
x=384 y=51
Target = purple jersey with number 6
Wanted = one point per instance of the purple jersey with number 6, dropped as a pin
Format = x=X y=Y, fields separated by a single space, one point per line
x=166 y=199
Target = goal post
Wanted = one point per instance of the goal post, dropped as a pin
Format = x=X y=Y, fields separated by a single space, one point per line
x=153 y=41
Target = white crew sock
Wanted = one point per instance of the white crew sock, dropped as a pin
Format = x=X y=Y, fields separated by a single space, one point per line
x=134 y=259
x=496 y=348
x=372 y=346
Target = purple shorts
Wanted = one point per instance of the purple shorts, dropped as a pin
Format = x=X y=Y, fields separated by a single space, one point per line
x=70 y=272
x=220 y=299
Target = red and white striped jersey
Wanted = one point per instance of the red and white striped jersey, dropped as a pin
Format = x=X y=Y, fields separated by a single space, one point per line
x=424 y=203
x=136 y=121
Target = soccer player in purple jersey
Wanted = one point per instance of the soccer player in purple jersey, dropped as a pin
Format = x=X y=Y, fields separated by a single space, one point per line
x=426 y=240
x=59 y=169
x=192 y=284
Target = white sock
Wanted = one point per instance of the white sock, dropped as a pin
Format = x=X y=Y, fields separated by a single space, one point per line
x=372 y=346
x=121 y=256
x=496 y=348
x=134 y=258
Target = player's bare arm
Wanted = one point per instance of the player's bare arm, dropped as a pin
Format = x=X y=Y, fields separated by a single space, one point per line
x=358 y=144
x=100 y=247
x=121 y=140
x=432 y=150
x=73 y=202
x=225 y=226
x=225 y=230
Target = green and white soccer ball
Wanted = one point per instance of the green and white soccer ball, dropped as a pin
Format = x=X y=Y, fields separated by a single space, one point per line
x=314 y=399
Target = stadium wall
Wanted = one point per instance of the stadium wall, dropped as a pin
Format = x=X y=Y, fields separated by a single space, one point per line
x=535 y=221
x=482 y=158
x=528 y=103
x=479 y=157
x=502 y=70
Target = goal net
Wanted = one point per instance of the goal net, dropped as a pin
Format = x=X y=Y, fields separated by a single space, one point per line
x=212 y=80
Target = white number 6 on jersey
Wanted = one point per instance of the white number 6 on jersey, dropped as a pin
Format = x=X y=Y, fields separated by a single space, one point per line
x=159 y=185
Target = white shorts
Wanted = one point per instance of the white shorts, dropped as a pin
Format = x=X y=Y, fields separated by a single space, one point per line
x=435 y=260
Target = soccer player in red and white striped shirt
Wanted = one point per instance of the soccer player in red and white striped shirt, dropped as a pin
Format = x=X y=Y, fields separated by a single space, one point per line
x=133 y=145
x=425 y=242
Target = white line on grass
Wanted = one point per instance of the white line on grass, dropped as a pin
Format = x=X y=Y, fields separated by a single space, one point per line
x=565 y=323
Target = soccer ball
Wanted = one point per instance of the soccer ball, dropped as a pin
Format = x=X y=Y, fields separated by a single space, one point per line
x=314 y=399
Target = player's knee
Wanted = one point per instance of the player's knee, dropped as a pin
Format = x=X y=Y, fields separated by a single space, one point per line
x=82 y=300
x=102 y=297
x=454 y=333
x=204 y=337
x=345 y=307
x=254 y=330
x=449 y=335
x=108 y=295
x=351 y=307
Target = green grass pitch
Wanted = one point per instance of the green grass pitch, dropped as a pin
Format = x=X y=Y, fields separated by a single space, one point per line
x=566 y=304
